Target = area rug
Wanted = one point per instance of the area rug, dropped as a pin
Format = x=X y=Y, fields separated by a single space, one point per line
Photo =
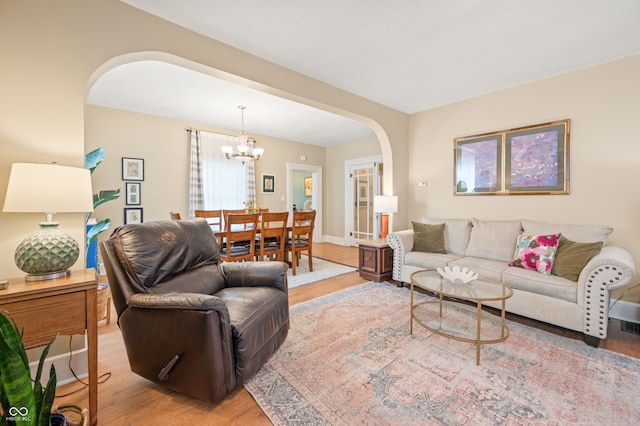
x=322 y=269
x=349 y=360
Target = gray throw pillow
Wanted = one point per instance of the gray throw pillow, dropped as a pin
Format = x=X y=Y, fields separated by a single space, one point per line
x=428 y=238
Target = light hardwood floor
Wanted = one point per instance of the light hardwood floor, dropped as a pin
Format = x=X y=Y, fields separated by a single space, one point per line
x=127 y=399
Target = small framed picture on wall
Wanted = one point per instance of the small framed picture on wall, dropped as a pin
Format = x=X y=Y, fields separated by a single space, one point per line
x=132 y=168
x=268 y=183
x=132 y=215
x=133 y=194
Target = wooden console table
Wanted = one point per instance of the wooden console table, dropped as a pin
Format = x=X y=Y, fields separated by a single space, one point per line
x=375 y=260
x=64 y=306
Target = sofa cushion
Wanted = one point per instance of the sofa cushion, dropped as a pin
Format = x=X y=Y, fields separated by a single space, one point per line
x=428 y=238
x=429 y=260
x=578 y=233
x=536 y=252
x=493 y=239
x=547 y=285
x=456 y=233
x=572 y=257
x=486 y=269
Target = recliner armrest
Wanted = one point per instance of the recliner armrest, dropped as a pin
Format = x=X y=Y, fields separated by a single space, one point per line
x=187 y=301
x=255 y=274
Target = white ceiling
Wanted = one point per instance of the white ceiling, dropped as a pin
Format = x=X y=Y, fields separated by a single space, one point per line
x=410 y=55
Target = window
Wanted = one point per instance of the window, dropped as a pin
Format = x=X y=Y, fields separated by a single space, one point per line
x=224 y=182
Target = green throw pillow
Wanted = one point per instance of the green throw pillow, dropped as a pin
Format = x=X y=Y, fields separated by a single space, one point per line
x=572 y=257
x=428 y=238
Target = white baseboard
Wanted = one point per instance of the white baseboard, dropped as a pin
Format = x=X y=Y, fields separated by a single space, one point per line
x=59 y=356
x=625 y=311
x=333 y=239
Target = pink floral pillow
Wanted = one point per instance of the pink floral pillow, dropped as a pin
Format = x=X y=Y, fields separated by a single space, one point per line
x=536 y=252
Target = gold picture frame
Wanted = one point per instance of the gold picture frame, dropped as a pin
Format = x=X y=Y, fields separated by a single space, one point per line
x=522 y=161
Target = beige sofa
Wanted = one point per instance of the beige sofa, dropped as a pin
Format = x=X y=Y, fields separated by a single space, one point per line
x=488 y=246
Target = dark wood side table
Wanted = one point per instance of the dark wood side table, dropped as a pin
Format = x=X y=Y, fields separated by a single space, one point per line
x=64 y=306
x=375 y=260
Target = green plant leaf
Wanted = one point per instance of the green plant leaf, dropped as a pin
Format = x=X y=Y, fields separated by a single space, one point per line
x=44 y=410
x=93 y=159
x=14 y=372
x=104 y=196
x=96 y=230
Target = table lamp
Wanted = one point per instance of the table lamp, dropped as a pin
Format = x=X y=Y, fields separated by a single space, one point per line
x=47 y=188
x=385 y=204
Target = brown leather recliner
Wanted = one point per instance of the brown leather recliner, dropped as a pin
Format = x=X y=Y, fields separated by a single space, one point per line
x=189 y=322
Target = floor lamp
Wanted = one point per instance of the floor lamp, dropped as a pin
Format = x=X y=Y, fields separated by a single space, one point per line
x=385 y=204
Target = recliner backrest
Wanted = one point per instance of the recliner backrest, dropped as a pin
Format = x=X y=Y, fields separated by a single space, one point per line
x=169 y=256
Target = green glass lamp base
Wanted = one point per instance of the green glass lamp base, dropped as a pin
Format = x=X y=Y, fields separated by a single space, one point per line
x=47 y=254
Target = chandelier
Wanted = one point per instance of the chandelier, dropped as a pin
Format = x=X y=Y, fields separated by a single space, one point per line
x=244 y=152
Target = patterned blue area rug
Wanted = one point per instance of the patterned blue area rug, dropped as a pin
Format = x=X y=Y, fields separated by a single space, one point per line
x=349 y=360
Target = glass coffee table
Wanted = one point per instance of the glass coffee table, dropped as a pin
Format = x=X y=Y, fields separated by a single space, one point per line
x=451 y=316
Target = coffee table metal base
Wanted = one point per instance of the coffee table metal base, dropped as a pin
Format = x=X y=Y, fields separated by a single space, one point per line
x=454 y=317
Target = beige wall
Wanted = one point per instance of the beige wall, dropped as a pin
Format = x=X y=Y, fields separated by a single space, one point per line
x=603 y=104
x=53 y=51
x=334 y=196
x=164 y=146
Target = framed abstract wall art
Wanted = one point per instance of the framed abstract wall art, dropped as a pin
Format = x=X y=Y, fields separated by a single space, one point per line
x=526 y=160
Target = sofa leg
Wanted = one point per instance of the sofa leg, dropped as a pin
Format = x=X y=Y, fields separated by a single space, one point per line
x=592 y=340
x=399 y=283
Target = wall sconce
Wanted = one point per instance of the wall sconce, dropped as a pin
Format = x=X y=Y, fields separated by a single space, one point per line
x=47 y=188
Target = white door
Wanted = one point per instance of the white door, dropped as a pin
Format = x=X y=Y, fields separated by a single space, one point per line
x=363 y=182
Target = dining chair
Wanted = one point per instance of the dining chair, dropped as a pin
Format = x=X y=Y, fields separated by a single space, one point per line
x=273 y=235
x=226 y=212
x=239 y=240
x=301 y=238
x=174 y=216
x=213 y=218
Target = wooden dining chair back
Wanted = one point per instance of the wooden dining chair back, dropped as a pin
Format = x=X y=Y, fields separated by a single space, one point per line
x=273 y=235
x=213 y=218
x=227 y=212
x=174 y=216
x=239 y=240
x=301 y=238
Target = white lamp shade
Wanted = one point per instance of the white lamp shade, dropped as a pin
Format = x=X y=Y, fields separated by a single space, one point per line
x=385 y=203
x=48 y=188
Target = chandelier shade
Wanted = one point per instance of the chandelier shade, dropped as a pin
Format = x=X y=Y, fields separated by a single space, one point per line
x=244 y=151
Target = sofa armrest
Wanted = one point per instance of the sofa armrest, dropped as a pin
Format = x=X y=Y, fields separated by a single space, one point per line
x=256 y=274
x=401 y=242
x=613 y=267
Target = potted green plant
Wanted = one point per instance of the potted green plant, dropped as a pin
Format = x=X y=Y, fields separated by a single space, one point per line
x=23 y=403
x=93 y=160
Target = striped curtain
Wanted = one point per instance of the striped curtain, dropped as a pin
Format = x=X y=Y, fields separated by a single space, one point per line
x=251 y=178
x=196 y=201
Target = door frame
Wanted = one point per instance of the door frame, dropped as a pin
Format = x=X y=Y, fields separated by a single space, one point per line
x=348 y=196
x=316 y=193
